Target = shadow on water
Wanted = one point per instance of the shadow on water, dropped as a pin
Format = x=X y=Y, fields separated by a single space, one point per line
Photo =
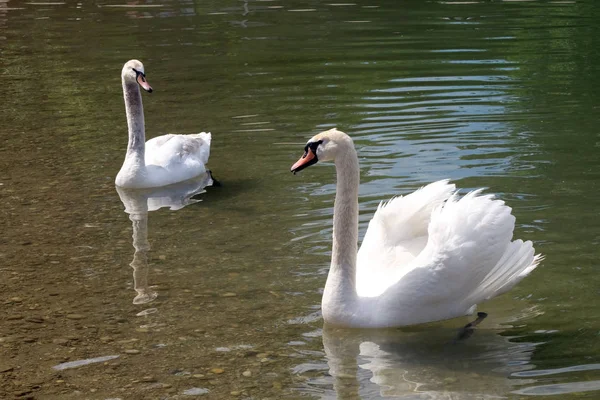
x=227 y=189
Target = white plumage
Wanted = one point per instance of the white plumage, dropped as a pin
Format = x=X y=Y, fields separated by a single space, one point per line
x=427 y=256
x=163 y=160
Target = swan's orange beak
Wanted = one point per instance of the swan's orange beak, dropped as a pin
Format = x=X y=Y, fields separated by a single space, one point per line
x=141 y=79
x=309 y=158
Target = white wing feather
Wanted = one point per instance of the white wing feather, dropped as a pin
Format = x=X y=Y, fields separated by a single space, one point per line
x=467 y=238
x=396 y=235
x=170 y=149
x=468 y=258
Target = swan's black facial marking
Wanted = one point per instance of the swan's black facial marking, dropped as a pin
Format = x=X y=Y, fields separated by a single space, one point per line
x=313 y=146
x=138 y=73
x=309 y=158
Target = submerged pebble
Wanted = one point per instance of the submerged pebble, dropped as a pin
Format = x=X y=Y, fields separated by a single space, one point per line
x=147 y=312
x=450 y=380
x=9 y=339
x=195 y=391
x=80 y=363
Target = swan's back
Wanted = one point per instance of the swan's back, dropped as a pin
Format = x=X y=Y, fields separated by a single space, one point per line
x=169 y=150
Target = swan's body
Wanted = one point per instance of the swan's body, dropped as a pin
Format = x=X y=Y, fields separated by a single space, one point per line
x=425 y=257
x=163 y=160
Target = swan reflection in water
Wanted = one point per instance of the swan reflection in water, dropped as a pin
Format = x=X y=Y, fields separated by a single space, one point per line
x=138 y=202
x=421 y=363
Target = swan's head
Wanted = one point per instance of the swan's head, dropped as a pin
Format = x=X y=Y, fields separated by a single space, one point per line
x=324 y=146
x=133 y=71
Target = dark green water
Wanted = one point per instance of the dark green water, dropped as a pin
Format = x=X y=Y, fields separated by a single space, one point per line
x=495 y=94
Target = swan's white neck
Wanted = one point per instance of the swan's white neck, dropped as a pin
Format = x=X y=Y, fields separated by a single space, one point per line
x=340 y=295
x=135 y=122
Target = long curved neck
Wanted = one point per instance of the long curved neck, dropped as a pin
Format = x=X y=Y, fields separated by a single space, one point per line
x=135 y=121
x=345 y=212
x=340 y=289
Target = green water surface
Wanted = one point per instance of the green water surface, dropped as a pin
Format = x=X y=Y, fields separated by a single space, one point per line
x=494 y=94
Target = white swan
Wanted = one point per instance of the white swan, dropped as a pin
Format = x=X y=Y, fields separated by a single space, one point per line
x=163 y=160
x=425 y=257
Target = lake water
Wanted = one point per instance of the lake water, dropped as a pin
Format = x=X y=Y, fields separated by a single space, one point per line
x=225 y=304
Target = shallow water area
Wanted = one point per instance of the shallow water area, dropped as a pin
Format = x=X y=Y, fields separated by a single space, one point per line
x=215 y=291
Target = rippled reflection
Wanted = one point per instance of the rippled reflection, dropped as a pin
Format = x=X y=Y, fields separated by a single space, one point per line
x=4 y=7
x=420 y=364
x=138 y=202
x=560 y=388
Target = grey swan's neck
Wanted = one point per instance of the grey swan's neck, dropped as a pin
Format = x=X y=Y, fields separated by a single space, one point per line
x=135 y=122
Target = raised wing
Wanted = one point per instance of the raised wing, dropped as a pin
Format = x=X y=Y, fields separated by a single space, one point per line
x=469 y=257
x=396 y=235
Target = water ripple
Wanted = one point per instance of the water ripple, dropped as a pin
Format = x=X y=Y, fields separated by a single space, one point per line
x=544 y=372
x=559 y=388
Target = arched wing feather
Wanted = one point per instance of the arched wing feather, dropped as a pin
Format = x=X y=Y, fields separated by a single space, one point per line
x=396 y=234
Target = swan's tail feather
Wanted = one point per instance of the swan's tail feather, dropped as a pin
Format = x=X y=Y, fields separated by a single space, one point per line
x=530 y=265
x=537 y=259
x=204 y=151
x=206 y=136
x=516 y=263
x=471 y=235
